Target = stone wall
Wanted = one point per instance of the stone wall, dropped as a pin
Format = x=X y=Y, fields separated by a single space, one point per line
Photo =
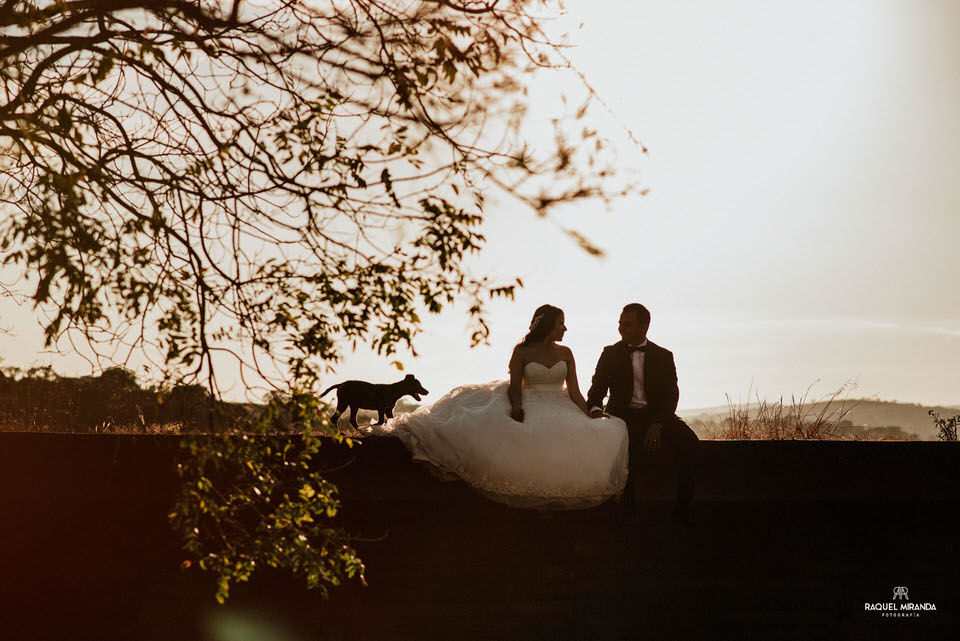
x=795 y=537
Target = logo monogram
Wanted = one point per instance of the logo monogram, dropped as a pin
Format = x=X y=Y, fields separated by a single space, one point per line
x=900 y=606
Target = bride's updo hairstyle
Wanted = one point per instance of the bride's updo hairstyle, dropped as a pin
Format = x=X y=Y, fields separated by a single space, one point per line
x=543 y=321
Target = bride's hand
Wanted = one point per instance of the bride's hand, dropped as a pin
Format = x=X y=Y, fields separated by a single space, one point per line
x=516 y=413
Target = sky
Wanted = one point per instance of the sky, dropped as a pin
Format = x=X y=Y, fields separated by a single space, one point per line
x=801 y=226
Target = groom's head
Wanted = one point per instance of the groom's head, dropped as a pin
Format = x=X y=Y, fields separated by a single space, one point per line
x=634 y=323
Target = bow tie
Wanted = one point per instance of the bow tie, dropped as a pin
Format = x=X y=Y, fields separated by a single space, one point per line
x=637 y=348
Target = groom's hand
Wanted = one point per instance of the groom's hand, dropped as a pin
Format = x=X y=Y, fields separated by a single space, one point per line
x=516 y=413
x=651 y=442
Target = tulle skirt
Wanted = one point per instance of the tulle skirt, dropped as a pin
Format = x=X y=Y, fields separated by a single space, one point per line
x=557 y=458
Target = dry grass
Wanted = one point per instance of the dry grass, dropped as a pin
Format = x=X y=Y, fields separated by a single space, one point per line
x=797 y=419
x=105 y=427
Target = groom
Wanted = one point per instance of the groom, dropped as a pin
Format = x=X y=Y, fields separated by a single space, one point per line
x=642 y=380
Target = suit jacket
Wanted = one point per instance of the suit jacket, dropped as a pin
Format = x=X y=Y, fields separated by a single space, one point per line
x=615 y=374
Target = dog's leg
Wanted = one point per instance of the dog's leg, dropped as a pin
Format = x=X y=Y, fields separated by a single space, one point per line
x=380 y=414
x=389 y=412
x=353 y=417
x=341 y=406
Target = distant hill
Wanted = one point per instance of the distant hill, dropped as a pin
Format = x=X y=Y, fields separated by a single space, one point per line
x=911 y=418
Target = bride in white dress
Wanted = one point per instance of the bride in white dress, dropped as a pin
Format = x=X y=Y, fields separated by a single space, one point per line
x=528 y=442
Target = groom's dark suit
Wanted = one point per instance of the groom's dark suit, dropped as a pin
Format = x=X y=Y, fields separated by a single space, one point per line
x=615 y=374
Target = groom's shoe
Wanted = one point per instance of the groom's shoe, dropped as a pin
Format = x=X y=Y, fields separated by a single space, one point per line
x=683 y=514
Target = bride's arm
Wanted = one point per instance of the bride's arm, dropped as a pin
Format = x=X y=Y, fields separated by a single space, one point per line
x=514 y=391
x=573 y=387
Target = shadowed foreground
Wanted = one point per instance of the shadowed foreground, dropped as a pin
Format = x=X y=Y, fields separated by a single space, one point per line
x=795 y=539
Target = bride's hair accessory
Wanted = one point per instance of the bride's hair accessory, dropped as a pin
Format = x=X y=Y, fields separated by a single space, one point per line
x=537 y=320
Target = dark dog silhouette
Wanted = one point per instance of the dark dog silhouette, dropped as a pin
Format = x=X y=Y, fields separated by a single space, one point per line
x=370 y=396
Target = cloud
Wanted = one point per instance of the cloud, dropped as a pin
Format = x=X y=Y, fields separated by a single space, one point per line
x=878 y=324
x=943 y=331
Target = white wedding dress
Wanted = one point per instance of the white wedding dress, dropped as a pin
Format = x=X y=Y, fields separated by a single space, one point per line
x=556 y=458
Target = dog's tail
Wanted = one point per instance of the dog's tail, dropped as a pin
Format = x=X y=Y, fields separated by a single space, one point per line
x=330 y=388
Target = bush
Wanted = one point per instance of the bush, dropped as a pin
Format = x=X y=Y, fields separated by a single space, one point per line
x=39 y=400
x=946 y=427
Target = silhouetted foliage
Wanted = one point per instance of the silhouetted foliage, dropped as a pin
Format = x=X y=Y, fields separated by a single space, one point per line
x=246 y=185
x=255 y=501
x=39 y=400
x=946 y=427
x=208 y=181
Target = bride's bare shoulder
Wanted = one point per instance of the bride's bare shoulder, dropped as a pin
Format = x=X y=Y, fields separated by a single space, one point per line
x=520 y=353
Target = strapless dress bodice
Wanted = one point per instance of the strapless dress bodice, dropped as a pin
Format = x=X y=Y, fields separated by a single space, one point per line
x=541 y=377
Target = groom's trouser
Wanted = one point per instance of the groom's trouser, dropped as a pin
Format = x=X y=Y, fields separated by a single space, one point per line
x=677 y=437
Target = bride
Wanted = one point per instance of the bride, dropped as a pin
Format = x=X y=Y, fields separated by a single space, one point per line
x=527 y=442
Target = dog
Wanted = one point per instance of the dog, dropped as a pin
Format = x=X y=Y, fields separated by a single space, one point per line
x=359 y=395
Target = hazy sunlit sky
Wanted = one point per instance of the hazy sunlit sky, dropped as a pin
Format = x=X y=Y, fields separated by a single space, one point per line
x=802 y=222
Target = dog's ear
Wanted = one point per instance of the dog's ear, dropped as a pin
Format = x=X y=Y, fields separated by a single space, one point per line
x=409 y=377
